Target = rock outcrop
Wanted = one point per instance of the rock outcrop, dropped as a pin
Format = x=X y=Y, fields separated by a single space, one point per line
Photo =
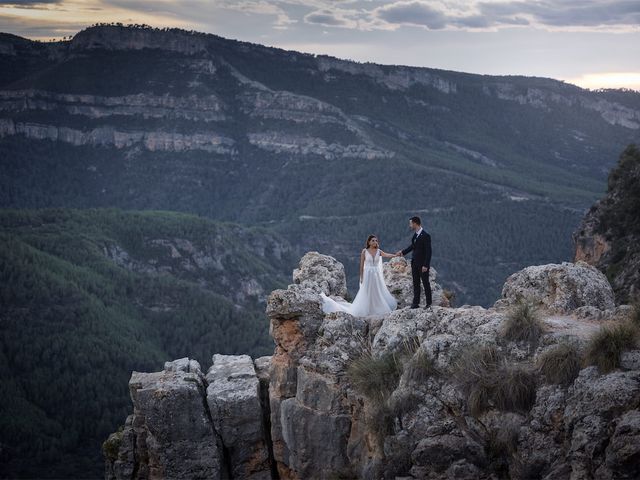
x=609 y=237
x=110 y=136
x=170 y=433
x=559 y=288
x=415 y=394
x=233 y=396
x=321 y=273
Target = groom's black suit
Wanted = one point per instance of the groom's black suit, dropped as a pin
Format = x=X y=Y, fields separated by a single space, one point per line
x=421 y=247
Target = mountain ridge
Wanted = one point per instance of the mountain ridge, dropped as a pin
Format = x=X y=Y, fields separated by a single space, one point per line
x=255 y=135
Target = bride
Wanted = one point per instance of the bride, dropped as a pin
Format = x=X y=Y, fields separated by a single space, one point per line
x=373 y=298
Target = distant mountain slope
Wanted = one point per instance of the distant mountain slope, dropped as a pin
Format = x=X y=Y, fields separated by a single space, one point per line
x=322 y=150
x=88 y=296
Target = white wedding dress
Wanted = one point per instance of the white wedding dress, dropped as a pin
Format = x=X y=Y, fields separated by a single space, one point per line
x=373 y=298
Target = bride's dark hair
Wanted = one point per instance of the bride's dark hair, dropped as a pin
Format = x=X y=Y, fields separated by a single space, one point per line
x=369 y=239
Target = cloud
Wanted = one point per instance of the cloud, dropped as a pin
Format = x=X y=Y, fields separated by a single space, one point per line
x=326 y=18
x=337 y=18
x=412 y=13
x=20 y=3
x=574 y=13
x=556 y=14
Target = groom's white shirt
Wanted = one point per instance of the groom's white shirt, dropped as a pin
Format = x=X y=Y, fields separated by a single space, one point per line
x=418 y=232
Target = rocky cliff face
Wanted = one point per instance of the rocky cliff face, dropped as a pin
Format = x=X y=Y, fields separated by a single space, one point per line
x=609 y=236
x=397 y=396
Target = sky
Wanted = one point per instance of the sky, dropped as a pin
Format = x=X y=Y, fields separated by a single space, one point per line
x=591 y=43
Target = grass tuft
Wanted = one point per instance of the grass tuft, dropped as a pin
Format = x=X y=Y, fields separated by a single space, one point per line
x=418 y=364
x=488 y=381
x=420 y=367
x=515 y=390
x=523 y=323
x=560 y=364
x=375 y=377
x=634 y=317
x=450 y=295
x=608 y=343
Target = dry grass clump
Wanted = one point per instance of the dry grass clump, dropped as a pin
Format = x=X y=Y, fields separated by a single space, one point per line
x=488 y=381
x=375 y=377
x=515 y=390
x=609 y=342
x=418 y=364
x=450 y=295
x=560 y=364
x=635 y=313
x=523 y=323
x=420 y=367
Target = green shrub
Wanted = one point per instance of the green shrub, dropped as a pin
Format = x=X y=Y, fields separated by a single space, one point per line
x=523 y=323
x=608 y=343
x=111 y=446
x=560 y=364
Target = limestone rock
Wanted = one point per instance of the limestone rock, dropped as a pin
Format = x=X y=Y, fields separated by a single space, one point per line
x=302 y=412
x=173 y=432
x=622 y=457
x=321 y=273
x=317 y=442
x=233 y=396
x=593 y=402
x=440 y=456
x=559 y=288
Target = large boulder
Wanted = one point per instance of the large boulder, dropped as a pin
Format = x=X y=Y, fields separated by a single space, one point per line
x=321 y=273
x=559 y=288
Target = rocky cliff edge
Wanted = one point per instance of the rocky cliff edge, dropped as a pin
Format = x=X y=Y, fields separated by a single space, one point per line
x=513 y=391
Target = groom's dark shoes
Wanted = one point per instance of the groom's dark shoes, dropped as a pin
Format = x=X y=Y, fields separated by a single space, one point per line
x=415 y=306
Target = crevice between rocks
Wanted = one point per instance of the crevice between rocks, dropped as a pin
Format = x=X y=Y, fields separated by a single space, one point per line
x=265 y=407
x=225 y=468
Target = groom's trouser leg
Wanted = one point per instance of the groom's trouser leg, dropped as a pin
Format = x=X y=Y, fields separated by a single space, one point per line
x=415 y=274
x=427 y=286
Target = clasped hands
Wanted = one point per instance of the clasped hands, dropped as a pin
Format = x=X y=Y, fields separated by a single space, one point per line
x=399 y=254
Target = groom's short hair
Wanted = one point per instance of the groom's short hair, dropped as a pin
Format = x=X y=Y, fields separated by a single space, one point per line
x=416 y=220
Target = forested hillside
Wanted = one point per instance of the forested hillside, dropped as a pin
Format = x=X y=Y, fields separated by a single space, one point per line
x=87 y=296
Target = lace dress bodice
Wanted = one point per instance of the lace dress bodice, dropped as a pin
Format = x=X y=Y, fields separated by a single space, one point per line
x=372 y=261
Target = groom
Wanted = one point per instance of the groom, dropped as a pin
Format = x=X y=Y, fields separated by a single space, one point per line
x=420 y=261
